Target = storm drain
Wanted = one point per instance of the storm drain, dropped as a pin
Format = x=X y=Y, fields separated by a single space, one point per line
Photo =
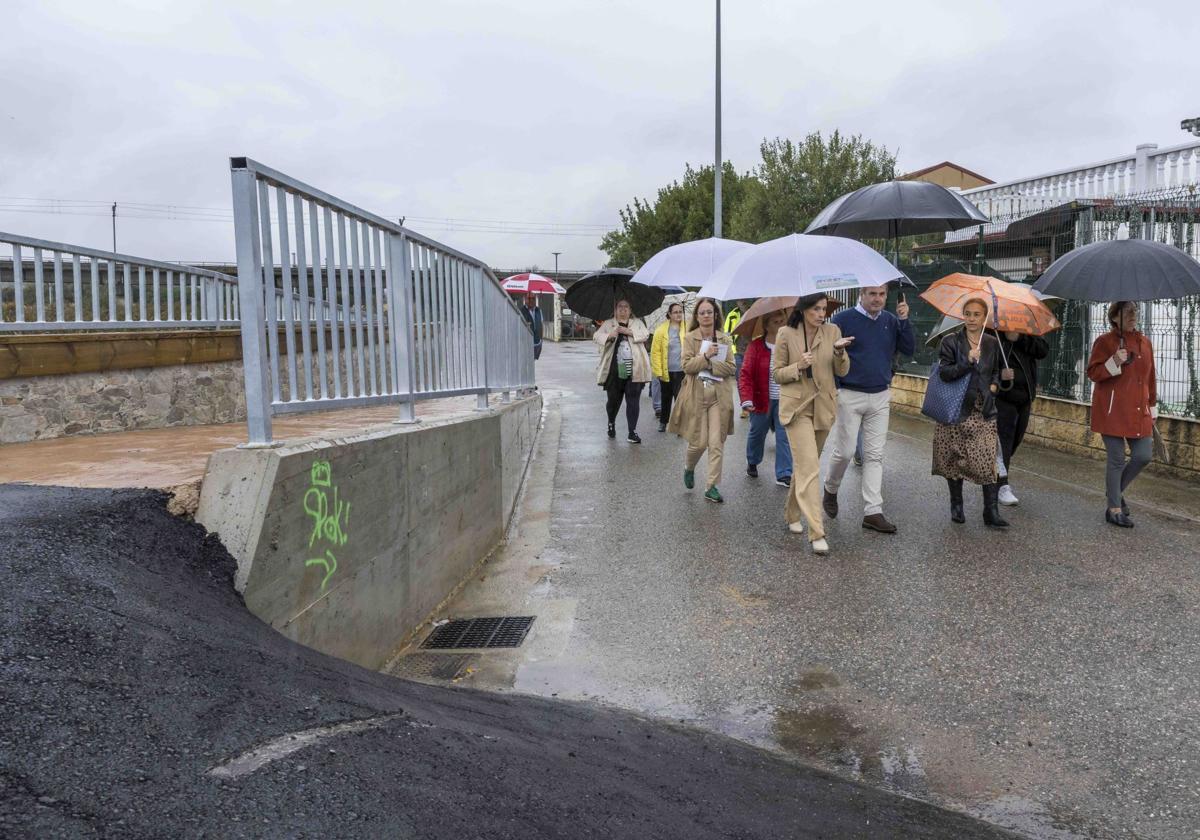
x=433 y=666
x=469 y=633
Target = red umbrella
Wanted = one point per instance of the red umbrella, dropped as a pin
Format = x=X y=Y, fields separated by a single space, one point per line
x=532 y=284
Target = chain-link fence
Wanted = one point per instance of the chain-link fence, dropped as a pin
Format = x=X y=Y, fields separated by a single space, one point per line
x=1020 y=247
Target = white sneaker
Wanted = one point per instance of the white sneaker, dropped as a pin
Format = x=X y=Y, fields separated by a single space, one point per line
x=796 y=527
x=820 y=546
x=1007 y=497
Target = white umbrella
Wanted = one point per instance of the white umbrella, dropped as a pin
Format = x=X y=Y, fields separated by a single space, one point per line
x=688 y=264
x=800 y=265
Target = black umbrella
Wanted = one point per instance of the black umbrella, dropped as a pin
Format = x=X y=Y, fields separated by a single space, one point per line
x=894 y=209
x=1122 y=269
x=595 y=295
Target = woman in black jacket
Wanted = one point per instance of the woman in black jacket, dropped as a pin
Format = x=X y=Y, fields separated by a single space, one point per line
x=1014 y=400
x=967 y=449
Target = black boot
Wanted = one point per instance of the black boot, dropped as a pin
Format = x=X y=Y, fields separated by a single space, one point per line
x=991 y=508
x=956 y=501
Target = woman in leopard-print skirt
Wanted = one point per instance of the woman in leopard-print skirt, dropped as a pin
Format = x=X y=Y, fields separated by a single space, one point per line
x=967 y=449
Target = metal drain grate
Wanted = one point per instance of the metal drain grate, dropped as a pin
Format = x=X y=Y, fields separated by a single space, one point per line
x=469 y=633
x=433 y=666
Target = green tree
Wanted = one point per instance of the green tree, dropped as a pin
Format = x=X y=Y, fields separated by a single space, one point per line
x=682 y=212
x=795 y=181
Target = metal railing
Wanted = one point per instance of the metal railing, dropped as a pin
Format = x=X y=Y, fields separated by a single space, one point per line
x=69 y=287
x=1021 y=246
x=415 y=319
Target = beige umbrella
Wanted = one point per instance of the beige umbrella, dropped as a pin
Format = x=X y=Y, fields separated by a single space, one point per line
x=749 y=325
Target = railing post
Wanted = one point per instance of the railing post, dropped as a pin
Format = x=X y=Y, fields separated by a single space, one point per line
x=1143 y=177
x=481 y=334
x=212 y=299
x=250 y=301
x=400 y=292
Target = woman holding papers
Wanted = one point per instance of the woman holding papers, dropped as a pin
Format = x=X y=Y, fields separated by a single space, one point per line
x=703 y=413
x=809 y=355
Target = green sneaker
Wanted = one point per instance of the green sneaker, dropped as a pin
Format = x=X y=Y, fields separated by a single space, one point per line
x=713 y=494
x=689 y=479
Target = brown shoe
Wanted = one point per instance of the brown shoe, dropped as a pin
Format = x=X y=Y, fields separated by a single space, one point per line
x=830 y=504
x=877 y=522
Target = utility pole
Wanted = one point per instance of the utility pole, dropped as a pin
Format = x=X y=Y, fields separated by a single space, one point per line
x=114 y=218
x=717 y=167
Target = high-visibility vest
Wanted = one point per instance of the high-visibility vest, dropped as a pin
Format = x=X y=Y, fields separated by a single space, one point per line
x=731 y=321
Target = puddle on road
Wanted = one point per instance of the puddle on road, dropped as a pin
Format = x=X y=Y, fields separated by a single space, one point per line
x=827 y=735
x=817 y=680
x=1033 y=820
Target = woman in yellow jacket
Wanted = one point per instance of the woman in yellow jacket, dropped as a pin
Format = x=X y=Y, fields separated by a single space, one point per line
x=809 y=355
x=666 y=359
x=704 y=412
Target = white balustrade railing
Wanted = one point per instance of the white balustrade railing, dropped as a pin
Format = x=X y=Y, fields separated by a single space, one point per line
x=1148 y=168
x=68 y=287
x=414 y=319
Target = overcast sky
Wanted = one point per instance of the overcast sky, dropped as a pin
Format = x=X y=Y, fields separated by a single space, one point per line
x=543 y=115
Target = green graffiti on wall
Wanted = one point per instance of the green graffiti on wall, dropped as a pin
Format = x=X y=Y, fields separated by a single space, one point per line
x=329 y=514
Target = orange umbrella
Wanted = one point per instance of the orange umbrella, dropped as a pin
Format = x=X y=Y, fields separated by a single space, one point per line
x=1012 y=307
x=750 y=323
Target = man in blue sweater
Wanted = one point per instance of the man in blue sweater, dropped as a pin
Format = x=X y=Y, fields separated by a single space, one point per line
x=864 y=398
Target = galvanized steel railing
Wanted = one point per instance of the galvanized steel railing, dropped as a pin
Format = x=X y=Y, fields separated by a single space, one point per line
x=68 y=287
x=414 y=318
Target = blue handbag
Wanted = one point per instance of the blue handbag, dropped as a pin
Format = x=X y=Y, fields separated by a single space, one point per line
x=943 y=400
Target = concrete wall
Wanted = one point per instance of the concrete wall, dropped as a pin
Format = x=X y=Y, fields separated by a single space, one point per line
x=406 y=514
x=1066 y=425
x=37 y=407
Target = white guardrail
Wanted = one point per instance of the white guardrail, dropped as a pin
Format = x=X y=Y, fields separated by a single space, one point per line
x=76 y=288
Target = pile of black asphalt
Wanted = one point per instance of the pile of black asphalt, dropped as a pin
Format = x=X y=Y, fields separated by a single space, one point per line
x=131 y=669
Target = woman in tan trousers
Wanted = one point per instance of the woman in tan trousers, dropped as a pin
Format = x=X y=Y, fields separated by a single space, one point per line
x=809 y=355
x=703 y=412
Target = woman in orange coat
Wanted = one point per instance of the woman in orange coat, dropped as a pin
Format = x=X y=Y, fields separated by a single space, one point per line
x=1124 y=404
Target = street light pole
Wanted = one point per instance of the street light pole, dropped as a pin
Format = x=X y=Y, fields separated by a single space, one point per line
x=556 y=253
x=717 y=167
x=114 y=218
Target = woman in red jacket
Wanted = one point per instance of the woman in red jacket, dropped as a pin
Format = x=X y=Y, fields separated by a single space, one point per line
x=1124 y=404
x=760 y=395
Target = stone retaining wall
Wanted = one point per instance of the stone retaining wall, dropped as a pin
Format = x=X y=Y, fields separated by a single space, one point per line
x=37 y=407
x=1066 y=425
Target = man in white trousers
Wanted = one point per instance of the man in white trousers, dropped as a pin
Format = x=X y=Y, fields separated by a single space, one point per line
x=864 y=398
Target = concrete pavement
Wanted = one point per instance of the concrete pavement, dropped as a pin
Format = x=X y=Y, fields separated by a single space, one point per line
x=1045 y=678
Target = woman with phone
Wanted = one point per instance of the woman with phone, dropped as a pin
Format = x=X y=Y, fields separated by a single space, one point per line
x=809 y=356
x=703 y=412
x=624 y=366
x=966 y=450
x=1124 y=404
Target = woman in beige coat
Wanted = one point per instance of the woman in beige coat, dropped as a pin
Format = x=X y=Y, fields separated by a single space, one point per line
x=809 y=355
x=624 y=366
x=703 y=412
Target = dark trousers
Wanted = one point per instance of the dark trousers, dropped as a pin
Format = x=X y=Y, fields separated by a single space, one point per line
x=631 y=392
x=670 y=389
x=1011 y=423
x=1120 y=472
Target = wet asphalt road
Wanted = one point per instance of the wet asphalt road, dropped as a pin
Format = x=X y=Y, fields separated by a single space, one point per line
x=1046 y=678
x=129 y=670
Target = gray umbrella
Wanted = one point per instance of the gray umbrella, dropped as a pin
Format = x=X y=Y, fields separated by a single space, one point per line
x=1122 y=269
x=894 y=209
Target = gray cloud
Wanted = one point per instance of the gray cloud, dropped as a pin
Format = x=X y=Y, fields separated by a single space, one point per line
x=546 y=111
